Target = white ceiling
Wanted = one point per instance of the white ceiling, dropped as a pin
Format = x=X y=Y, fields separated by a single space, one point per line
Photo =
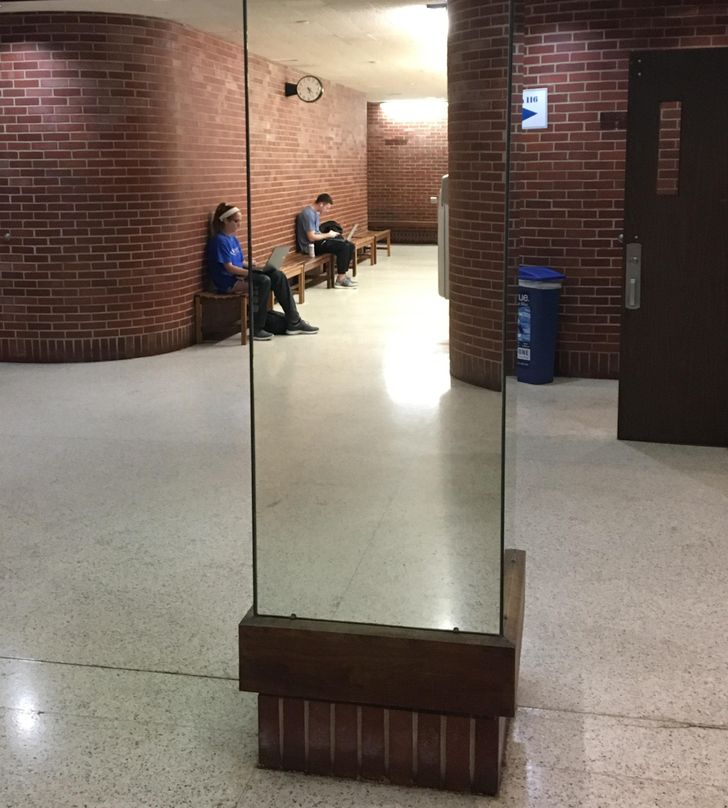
x=385 y=49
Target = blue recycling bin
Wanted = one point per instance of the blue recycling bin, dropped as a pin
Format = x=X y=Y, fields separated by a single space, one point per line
x=539 y=289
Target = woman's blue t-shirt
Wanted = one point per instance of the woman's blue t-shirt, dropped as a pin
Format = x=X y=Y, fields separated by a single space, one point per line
x=221 y=250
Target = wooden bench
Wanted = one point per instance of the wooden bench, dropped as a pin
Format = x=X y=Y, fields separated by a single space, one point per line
x=299 y=265
x=382 y=235
x=293 y=267
x=325 y=263
x=362 y=243
x=241 y=297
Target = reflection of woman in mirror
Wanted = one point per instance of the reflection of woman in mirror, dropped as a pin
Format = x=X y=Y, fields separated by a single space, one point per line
x=230 y=273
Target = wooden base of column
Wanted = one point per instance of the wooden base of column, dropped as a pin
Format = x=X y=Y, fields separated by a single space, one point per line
x=403 y=706
x=431 y=750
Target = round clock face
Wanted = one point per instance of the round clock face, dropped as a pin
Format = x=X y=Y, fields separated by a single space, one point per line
x=309 y=88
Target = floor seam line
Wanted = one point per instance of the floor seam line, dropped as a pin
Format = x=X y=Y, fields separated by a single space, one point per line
x=668 y=723
x=118 y=668
x=632 y=777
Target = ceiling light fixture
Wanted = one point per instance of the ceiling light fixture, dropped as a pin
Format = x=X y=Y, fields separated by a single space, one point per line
x=423 y=110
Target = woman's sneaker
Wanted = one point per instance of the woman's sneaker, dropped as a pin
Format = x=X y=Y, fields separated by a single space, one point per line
x=302 y=327
x=346 y=283
x=261 y=335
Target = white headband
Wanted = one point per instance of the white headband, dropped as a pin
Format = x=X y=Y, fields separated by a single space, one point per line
x=228 y=214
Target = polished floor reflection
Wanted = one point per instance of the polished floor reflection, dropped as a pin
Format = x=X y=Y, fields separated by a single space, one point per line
x=377 y=475
x=124 y=570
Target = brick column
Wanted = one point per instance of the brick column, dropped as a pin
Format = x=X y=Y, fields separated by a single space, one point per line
x=117 y=141
x=478 y=120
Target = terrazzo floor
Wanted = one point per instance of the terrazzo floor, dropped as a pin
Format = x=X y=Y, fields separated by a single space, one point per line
x=119 y=603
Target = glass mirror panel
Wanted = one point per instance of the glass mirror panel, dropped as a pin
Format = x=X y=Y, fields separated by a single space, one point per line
x=378 y=476
x=125 y=483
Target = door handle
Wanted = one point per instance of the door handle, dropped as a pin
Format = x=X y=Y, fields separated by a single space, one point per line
x=632 y=294
x=633 y=276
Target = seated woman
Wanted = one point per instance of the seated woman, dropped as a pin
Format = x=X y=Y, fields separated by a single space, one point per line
x=230 y=273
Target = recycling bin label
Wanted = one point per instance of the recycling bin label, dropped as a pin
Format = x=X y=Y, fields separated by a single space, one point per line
x=523 y=348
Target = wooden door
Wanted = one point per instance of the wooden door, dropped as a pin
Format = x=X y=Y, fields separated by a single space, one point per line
x=673 y=385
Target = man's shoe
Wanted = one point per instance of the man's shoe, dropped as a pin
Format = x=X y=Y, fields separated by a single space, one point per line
x=302 y=327
x=261 y=335
x=347 y=283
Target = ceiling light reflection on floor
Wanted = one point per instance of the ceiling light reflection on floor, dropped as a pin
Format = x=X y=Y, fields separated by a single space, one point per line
x=26 y=718
x=415 y=376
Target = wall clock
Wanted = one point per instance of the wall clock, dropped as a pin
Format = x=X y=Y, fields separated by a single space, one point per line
x=308 y=89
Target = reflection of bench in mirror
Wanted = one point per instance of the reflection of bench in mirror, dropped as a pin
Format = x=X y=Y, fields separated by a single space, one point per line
x=367 y=243
x=299 y=266
x=292 y=268
x=202 y=298
x=365 y=249
x=380 y=236
x=323 y=263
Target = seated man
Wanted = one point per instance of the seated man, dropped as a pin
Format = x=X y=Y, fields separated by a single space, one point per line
x=308 y=232
x=230 y=273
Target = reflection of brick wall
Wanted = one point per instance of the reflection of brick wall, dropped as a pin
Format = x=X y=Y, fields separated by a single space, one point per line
x=477 y=92
x=121 y=134
x=117 y=148
x=569 y=179
x=116 y=151
x=668 y=156
x=406 y=161
x=299 y=150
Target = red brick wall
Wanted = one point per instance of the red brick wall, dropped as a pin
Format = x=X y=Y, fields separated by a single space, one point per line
x=119 y=135
x=108 y=184
x=300 y=150
x=406 y=161
x=569 y=179
x=478 y=93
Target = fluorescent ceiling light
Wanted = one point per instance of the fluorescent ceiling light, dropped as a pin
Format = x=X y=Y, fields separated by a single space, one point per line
x=427 y=110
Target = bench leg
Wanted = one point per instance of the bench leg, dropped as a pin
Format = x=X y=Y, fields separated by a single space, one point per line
x=198 y=320
x=302 y=286
x=243 y=319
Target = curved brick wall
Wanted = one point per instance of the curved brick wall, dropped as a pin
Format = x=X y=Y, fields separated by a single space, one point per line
x=478 y=95
x=117 y=141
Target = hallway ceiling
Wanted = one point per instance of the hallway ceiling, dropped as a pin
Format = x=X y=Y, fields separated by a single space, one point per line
x=383 y=48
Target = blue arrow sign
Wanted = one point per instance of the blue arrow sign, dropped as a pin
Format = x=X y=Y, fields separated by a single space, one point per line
x=534 y=108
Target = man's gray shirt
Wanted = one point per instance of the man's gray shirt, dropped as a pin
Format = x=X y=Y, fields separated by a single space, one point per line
x=307 y=219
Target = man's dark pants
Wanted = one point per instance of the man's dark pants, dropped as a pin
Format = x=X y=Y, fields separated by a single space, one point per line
x=342 y=249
